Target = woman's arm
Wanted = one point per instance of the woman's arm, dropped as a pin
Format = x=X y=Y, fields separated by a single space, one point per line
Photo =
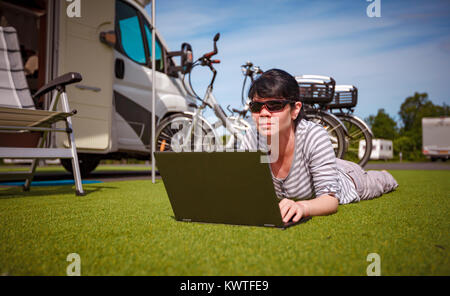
x=322 y=167
x=322 y=205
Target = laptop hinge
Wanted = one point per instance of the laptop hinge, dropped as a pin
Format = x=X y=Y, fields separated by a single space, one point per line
x=269 y=225
x=186 y=220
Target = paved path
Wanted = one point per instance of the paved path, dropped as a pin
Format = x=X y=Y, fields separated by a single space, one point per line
x=408 y=166
x=121 y=175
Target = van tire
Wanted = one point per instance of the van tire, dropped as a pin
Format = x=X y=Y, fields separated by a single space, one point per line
x=86 y=162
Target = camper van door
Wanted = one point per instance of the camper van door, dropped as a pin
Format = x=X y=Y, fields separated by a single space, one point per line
x=133 y=79
x=80 y=50
x=132 y=82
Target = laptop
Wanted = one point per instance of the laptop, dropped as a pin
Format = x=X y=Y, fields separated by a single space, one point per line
x=221 y=187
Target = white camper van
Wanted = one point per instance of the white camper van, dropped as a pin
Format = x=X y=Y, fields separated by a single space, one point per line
x=436 y=137
x=108 y=42
x=381 y=149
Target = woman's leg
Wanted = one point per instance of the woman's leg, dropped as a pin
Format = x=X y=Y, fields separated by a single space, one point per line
x=368 y=184
x=378 y=183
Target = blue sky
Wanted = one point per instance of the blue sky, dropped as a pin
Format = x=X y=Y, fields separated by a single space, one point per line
x=389 y=58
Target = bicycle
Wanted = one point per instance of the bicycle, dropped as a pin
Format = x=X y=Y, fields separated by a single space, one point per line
x=319 y=95
x=359 y=137
x=190 y=131
x=249 y=70
x=316 y=91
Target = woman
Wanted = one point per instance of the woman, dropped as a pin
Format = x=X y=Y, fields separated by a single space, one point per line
x=305 y=167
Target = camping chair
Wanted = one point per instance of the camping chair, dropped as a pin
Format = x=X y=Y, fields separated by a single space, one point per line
x=24 y=129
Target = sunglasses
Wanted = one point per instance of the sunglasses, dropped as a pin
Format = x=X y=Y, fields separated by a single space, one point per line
x=272 y=106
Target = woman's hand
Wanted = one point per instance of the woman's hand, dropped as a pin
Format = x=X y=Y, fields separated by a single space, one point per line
x=323 y=205
x=292 y=210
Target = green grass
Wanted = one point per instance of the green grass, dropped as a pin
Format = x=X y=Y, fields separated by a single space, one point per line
x=127 y=228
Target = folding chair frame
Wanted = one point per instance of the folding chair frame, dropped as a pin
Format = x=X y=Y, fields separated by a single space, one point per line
x=46 y=153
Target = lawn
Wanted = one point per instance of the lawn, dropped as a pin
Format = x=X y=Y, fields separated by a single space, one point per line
x=127 y=228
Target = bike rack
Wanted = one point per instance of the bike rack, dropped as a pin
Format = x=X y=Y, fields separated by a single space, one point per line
x=345 y=96
x=316 y=89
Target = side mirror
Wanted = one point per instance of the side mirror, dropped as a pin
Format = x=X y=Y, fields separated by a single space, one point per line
x=216 y=38
x=108 y=38
x=186 y=58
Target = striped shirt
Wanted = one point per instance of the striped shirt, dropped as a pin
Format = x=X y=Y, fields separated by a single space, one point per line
x=314 y=170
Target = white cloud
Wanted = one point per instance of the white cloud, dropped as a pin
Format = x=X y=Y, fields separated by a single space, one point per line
x=385 y=58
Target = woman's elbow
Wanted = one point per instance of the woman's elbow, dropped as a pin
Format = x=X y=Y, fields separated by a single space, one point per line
x=335 y=209
x=334 y=204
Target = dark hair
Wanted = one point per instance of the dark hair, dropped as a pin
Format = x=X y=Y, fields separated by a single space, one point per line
x=278 y=84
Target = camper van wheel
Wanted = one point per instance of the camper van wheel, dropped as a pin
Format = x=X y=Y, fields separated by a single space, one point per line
x=87 y=164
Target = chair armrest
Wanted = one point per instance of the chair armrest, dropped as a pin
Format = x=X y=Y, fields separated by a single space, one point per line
x=63 y=80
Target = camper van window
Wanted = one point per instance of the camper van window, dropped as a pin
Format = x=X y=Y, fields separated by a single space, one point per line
x=130 y=35
x=158 y=57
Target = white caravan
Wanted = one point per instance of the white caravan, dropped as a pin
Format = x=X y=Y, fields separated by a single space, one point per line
x=436 y=137
x=109 y=43
x=381 y=149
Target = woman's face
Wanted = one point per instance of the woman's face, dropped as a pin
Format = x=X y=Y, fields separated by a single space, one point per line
x=270 y=123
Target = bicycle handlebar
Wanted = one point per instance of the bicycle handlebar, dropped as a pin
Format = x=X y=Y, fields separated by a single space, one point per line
x=215 y=51
x=205 y=60
x=249 y=70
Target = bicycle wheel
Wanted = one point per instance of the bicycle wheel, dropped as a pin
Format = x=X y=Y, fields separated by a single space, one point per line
x=333 y=127
x=170 y=135
x=359 y=135
x=230 y=141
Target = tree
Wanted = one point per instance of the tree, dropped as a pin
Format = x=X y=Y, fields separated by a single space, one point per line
x=408 y=138
x=407 y=146
x=382 y=125
x=412 y=111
